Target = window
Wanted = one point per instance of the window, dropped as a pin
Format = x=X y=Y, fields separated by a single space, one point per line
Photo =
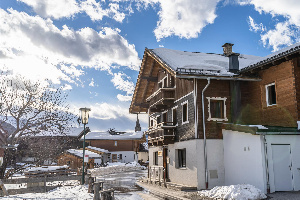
x=155 y=158
x=271 y=94
x=181 y=158
x=174 y=116
x=217 y=109
x=165 y=117
x=120 y=156
x=165 y=82
x=116 y=143
x=184 y=112
x=151 y=122
x=158 y=119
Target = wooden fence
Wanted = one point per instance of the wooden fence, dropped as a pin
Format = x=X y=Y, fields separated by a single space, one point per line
x=37 y=181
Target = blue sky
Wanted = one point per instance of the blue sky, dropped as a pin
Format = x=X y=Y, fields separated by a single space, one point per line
x=94 y=48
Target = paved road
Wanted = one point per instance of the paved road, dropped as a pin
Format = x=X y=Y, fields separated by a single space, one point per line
x=125 y=185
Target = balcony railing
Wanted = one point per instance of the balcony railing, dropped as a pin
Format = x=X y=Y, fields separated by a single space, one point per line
x=162 y=134
x=162 y=98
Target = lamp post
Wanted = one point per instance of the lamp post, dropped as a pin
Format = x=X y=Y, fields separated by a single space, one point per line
x=84 y=119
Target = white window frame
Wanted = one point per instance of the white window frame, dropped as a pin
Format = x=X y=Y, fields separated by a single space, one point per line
x=267 y=94
x=187 y=112
x=176 y=107
x=209 y=113
x=116 y=143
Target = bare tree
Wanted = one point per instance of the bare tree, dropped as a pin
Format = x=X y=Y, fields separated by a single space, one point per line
x=32 y=108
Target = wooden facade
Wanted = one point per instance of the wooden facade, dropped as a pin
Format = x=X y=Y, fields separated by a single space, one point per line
x=73 y=161
x=161 y=89
x=122 y=145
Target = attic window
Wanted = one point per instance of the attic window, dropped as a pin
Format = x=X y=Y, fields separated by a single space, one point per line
x=217 y=109
x=271 y=94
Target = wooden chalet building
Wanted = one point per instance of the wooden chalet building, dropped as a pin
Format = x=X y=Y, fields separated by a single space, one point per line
x=123 y=146
x=221 y=119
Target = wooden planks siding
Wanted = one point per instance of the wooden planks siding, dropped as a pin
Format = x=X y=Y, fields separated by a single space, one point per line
x=255 y=109
x=217 y=88
x=122 y=145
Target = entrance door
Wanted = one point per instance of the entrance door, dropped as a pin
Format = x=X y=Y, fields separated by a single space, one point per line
x=282 y=165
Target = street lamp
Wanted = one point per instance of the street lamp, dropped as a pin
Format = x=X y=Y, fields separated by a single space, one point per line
x=84 y=120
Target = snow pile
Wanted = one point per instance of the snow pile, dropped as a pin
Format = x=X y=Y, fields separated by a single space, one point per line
x=234 y=192
x=78 y=192
x=116 y=167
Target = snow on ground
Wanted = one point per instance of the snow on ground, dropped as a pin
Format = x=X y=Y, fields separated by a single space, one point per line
x=234 y=192
x=78 y=192
x=116 y=167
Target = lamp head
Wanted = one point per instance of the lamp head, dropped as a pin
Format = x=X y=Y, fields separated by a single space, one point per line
x=85 y=115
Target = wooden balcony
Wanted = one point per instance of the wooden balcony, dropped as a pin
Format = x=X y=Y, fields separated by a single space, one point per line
x=162 y=99
x=163 y=134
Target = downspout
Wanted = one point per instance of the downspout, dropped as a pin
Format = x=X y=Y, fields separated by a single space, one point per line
x=204 y=136
x=196 y=106
x=266 y=161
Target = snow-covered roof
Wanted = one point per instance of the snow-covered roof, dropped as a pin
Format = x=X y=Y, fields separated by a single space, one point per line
x=72 y=132
x=107 y=136
x=98 y=149
x=213 y=64
x=47 y=168
x=274 y=56
x=79 y=153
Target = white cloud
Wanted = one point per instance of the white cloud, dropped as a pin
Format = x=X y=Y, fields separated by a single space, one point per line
x=287 y=8
x=124 y=97
x=54 y=8
x=67 y=87
x=36 y=48
x=184 y=18
x=124 y=85
x=92 y=83
x=279 y=37
x=57 y=9
x=285 y=32
x=254 y=26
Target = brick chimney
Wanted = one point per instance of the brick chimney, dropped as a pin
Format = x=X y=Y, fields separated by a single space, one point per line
x=227 y=49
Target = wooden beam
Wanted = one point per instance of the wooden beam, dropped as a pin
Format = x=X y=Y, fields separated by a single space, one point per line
x=150 y=78
x=150 y=75
x=142 y=105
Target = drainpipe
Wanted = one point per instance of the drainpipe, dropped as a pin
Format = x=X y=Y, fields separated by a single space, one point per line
x=196 y=106
x=204 y=136
x=266 y=161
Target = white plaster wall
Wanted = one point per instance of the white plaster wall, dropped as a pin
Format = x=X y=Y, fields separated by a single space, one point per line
x=215 y=161
x=143 y=156
x=188 y=175
x=294 y=141
x=244 y=159
x=151 y=157
x=127 y=156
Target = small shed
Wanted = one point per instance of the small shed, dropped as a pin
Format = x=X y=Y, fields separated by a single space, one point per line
x=73 y=158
